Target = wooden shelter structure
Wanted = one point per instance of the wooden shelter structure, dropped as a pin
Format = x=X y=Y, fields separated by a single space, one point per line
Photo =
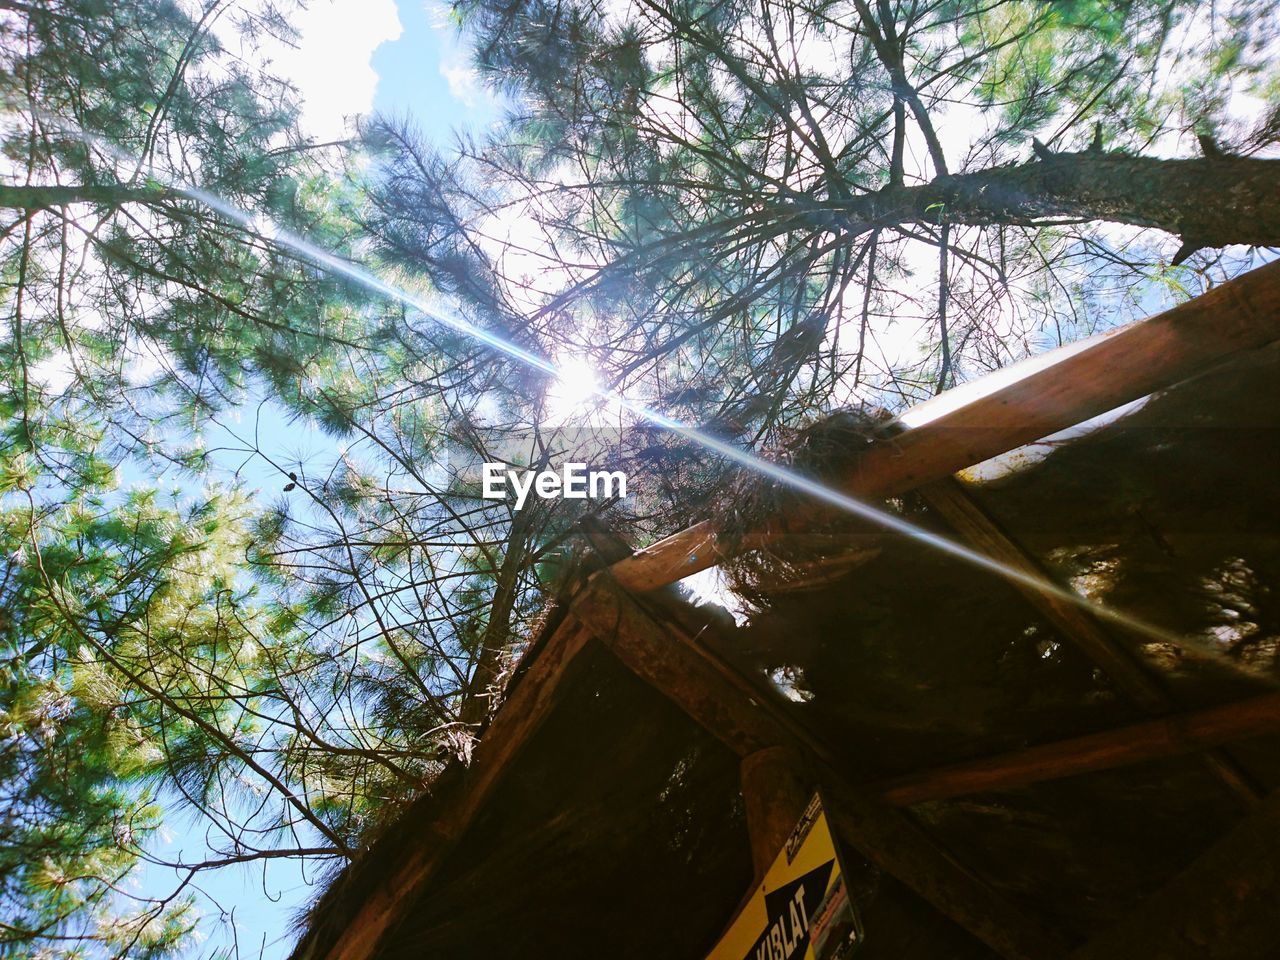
x=1013 y=775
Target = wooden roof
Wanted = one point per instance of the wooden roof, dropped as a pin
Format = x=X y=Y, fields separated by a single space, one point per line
x=1024 y=778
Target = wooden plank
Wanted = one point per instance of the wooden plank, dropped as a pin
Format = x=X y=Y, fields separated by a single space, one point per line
x=1224 y=906
x=529 y=701
x=748 y=719
x=1077 y=625
x=672 y=558
x=1106 y=372
x=1167 y=737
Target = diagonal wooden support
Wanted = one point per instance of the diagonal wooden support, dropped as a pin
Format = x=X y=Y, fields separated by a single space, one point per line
x=1225 y=906
x=748 y=720
x=1079 y=627
x=1074 y=623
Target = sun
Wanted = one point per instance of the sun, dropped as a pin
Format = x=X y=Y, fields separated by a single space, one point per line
x=575 y=391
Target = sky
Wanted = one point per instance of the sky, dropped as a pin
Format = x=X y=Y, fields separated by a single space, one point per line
x=400 y=58
x=396 y=57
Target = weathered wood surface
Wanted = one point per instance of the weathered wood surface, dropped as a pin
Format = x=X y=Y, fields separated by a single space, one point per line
x=748 y=719
x=1224 y=906
x=1167 y=737
x=775 y=791
x=1077 y=625
x=1125 y=365
x=529 y=701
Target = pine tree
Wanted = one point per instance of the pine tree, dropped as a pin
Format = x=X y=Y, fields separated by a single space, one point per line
x=139 y=658
x=289 y=672
x=756 y=212
x=729 y=211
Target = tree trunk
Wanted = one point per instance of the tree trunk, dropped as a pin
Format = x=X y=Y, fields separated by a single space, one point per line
x=38 y=197
x=477 y=701
x=1208 y=202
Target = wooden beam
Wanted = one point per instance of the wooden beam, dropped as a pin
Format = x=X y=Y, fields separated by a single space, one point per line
x=1077 y=625
x=1091 y=379
x=528 y=703
x=748 y=719
x=775 y=791
x=1167 y=737
x=1224 y=906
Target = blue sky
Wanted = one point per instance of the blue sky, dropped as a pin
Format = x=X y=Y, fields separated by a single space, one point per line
x=401 y=58
x=425 y=75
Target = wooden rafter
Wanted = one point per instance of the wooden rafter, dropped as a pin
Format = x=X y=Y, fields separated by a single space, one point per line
x=1238 y=316
x=1092 y=378
x=1074 y=623
x=1167 y=737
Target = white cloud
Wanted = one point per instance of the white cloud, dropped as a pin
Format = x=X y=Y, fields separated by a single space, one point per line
x=330 y=62
x=455 y=62
x=464 y=82
x=55 y=372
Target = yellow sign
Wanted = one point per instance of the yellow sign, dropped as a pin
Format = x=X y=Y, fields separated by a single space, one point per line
x=802 y=910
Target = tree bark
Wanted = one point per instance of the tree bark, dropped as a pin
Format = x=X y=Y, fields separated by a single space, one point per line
x=23 y=197
x=1207 y=201
x=477 y=698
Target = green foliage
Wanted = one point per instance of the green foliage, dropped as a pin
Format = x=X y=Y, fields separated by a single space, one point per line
x=139 y=660
x=109 y=605
x=712 y=180
x=290 y=674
